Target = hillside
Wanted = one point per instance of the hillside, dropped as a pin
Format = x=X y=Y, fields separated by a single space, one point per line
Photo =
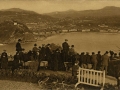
x=106 y=11
x=11 y=31
x=24 y=19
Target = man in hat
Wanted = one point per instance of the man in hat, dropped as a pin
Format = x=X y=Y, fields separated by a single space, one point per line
x=72 y=54
x=43 y=52
x=99 y=60
x=94 y=60
x=88 y=60
x=65 y=50
x=48 y=56
x=105 y=61
x=18 y=45
x=35 y=50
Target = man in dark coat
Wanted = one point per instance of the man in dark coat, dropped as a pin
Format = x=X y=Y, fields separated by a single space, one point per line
x=56 y=59
x=94 y=60
x=16 y=61
x=4 y=60
x=83 y=63
x=48 y=56
x=35 y=50
x=88 y=60
x=99 y=60
x=43 y=52
x=18 y=45
x=105 y=61
x=65 y=50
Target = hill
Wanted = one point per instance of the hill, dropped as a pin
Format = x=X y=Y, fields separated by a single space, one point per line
x=23 y=16
x=24 y=19
x=106 y=11
x=11 y=31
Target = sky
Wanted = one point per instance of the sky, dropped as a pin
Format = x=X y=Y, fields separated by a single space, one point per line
x=46 y=6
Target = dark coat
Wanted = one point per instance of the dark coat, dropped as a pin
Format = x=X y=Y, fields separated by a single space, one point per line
x=105 y=59
x=88 y=59
x=82 y=59
x=56 y=60
x=48 y=51
x=42 y=53
x=18 y=47
x=4 y=60
x=94 y=59
x=99 y=58
x=65 y=46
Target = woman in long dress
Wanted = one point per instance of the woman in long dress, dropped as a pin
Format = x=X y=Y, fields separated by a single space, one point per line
x=4 y=60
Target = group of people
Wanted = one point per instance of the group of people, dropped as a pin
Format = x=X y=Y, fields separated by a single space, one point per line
x=56 y=55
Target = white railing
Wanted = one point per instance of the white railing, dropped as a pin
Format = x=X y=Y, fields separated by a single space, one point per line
x=91 y=77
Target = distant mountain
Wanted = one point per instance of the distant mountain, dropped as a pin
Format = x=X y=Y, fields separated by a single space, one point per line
x=23 y=16
x=104 y=12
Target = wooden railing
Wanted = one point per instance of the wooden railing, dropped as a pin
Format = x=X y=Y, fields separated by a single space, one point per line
x=91 y=77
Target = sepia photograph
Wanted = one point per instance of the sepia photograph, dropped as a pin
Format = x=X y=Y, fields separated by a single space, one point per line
x=59 y=44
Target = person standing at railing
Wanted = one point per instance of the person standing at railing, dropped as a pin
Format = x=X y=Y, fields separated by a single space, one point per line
x=94 y=60
x=88 y=61
x=83 y=60
x=105 y=61
x=72 y=55
x=99 y=56
x=65 y=47
x=18 y=46
x=48 y=56
x=35 y=50
x=43 y=52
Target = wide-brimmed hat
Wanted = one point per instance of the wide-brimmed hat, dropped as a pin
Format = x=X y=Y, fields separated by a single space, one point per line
x=43 y=44
x=66 y=40
x=4 y=50
x=48 y=44
x=72 y=45
x=98 y=51
x=19 y=40
x=35 y=44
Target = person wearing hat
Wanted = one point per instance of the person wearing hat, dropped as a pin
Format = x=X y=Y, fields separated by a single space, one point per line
x=72 y=54
x=65 y=47
x=94 y=60
x=83 y=62
x=56 y=59
x=75 y=69
x=35 y=50
x=18 y=45
x=88 y=60
x=99 y=56
x=43 y=52
x=105 y=61
x=4 y=60
x=48 y=56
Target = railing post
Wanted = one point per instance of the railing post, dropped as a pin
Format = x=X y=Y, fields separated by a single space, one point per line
x=79 y=75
